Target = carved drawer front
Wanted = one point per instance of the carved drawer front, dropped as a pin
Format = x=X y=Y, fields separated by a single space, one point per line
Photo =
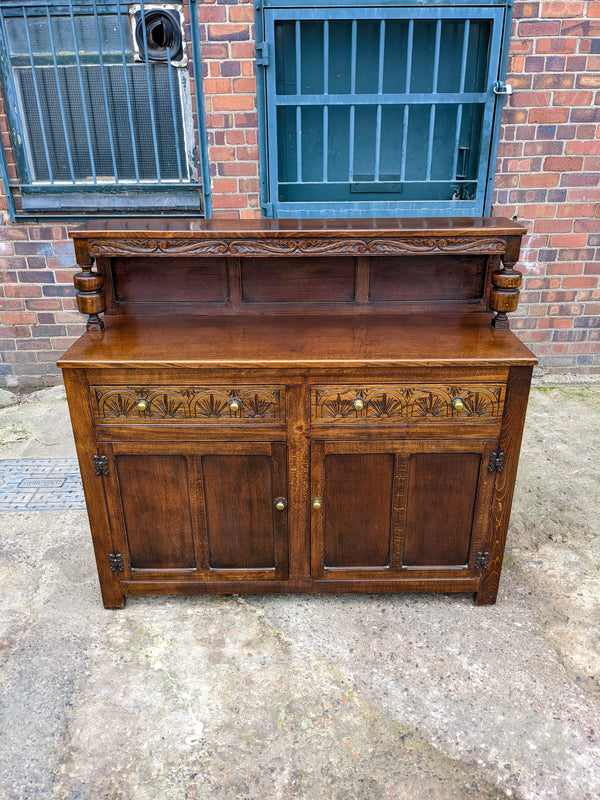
x=197 y=404
x=408 y=402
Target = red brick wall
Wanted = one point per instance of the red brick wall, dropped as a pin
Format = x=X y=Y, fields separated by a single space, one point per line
x=227 y=36
x=547 y=176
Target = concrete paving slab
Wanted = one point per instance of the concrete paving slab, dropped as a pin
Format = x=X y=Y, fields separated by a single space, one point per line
x=410 y=697
x=37 y=426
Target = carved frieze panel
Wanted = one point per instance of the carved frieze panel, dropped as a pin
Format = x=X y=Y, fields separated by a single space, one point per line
x=354 y=404
x=217 y=404
x=297 y=246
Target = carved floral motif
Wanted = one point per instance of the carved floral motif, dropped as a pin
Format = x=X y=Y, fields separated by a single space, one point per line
x=178 y=404
x=407 y=402
x=297 y=246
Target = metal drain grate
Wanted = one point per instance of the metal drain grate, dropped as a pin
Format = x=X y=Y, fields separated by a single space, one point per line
x=40 y=484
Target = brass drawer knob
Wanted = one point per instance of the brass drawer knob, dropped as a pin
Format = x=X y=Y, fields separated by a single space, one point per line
x=280 y=503
x=458 y=404
x=235 y=404
x=358 y=404
x=142 y=404
x=317 y=503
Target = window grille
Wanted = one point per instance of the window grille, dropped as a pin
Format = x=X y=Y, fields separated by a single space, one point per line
x=98 y=97
x=381 y=111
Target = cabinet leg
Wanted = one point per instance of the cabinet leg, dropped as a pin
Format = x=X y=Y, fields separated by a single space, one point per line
x=112 y=596
x=486 y=597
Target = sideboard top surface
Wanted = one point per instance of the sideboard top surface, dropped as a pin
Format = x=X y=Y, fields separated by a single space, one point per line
x=238 y=228
x=290 y=340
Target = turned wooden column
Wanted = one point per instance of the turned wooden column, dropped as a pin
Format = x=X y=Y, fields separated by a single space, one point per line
x=90 y=289
x=506 y=283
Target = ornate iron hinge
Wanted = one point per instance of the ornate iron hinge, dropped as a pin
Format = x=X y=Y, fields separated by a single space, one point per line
x=100 y=465
x=496 y=461
x=482 y=559
x=116 y=562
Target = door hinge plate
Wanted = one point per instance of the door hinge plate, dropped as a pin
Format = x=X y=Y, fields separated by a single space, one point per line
x=482 y=559
x=116 y=562
x=262 y=54
x=100 y=465
x=496 y=461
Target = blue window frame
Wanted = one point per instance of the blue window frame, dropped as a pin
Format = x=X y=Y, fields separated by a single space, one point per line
x=100 y=110
x=380 y=110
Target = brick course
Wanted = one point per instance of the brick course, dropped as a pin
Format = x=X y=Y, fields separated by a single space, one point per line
x=556 y=196
x=547 y=176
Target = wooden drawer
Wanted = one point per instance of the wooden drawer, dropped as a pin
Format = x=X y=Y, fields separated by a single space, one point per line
x=226 y=405
x=412 y=403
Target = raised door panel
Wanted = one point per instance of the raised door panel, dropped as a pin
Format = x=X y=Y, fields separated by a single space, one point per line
x=399 y=508
x=156 y=511
x=238 y=492
x=358 y=487
x=441 y=494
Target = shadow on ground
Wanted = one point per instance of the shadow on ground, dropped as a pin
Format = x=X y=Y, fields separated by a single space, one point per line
x=317 y=698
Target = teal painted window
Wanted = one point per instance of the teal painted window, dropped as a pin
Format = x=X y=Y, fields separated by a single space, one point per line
x=99 y=102
x=387 y=111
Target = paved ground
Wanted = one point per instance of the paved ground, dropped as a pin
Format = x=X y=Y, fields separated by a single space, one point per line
x=317 y=698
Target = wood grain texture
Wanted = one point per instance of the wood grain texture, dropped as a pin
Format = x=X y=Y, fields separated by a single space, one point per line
x=301 y=265
x=414 y=402
x=309 y=280
x=93 y=487
x=293 y=341
x=517 y=392
x=125 y=229
x=238 y=492
x=181 y=404
x=156 y=511
x=168 y=280
x=292 y=321
x=427 y=278
x=442 y=488
x=357 y=495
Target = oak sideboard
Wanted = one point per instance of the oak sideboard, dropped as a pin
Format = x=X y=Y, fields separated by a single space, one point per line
x=298 y=405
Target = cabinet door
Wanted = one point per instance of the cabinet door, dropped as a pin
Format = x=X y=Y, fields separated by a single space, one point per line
x=203 y=508
x=395 y=508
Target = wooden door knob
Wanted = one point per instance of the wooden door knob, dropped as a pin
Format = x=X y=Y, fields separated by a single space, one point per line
x=317 y=503
x=458 y=404
x=358 y=404
x=142 y=404
x=280 y=503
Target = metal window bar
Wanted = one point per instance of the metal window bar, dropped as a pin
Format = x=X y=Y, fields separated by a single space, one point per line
x=409 y=58
x=134 y=152
x=352 y=120
x=61 y=102
x=60 y=130
x=105 y=96
x=150 y=92
x=401 y=152
x=37 y=96
x=174 y=114
x=325 y=105
x=459 y=109
x=436 y=69
x=298 y=38
x=83 y=99
x=381 y=56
